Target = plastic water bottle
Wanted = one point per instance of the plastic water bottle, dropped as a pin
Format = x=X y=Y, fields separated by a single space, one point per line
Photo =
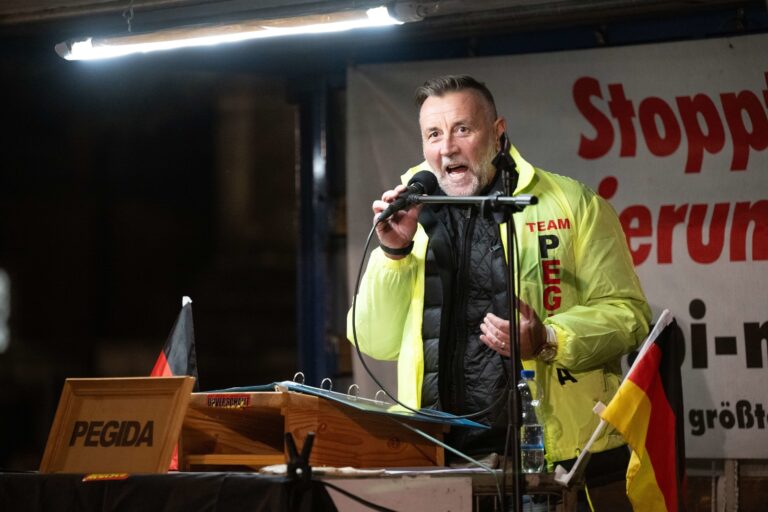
x=531 y=431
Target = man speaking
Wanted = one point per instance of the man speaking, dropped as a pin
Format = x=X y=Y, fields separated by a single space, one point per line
x=434 y=295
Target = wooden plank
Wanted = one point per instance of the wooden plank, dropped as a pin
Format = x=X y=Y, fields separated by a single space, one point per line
x=223 y=459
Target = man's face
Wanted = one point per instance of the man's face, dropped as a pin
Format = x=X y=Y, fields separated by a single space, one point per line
x=460 y=139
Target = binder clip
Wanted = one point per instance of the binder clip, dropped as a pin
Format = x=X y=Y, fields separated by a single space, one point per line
x=298 y=464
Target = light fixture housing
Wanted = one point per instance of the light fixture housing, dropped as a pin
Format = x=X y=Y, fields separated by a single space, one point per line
x=207 y=35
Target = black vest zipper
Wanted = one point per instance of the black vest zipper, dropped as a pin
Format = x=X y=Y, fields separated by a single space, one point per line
x=460 y=312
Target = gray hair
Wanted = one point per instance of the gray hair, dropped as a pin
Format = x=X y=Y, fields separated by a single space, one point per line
x=454 y=83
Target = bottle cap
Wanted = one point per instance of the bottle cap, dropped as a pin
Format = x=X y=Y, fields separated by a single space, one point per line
x=527 y=374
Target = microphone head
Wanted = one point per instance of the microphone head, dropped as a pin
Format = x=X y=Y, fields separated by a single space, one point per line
x=425 y=180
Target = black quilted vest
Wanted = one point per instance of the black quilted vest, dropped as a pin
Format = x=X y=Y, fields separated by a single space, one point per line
x=465 y=278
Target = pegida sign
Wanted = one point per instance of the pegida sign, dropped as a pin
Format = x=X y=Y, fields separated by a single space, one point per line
x=112 y=433
x=117 y=425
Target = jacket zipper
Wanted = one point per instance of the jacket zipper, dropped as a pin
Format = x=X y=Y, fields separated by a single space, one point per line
x=460 y=314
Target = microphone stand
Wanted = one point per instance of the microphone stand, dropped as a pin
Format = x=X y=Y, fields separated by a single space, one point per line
x=503 y=206
x=496 y=202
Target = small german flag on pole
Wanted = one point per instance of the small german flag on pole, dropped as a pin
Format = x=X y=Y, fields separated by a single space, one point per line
x=648 y=411
x=178 y=356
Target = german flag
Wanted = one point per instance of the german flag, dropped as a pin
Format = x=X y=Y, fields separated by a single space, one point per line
x=178 y=355
x=648 y=411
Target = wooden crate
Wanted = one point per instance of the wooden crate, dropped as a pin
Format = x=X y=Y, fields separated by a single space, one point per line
x=247 y=430
x=232 y=430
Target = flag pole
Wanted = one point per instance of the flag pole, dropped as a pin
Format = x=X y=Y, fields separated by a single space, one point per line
x=663 y=321
x=564 y=477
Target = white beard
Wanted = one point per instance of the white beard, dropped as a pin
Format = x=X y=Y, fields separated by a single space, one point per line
x=479 y=179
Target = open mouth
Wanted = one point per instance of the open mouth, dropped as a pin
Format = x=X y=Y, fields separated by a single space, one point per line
x=456 y=169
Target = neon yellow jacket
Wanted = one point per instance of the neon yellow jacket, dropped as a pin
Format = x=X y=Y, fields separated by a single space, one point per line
x=575 y=271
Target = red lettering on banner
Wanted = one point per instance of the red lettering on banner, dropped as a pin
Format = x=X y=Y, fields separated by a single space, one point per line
x=712 y=140
x=669 y=217
x=659 y=144
x=745 y=117
x=734 y=108
x=706 y=252
x=623 y=111
x=583 y=90
x=637 y=223
x=745 y=215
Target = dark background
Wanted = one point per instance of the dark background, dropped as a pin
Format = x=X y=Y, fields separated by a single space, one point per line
x=127 y=184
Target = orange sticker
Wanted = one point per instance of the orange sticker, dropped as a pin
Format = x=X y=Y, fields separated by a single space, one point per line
x=97 y=477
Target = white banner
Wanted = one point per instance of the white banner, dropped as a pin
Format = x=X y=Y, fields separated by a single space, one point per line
x=676 y=137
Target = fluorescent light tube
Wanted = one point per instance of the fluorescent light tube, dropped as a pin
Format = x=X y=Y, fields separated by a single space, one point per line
x=170 y=39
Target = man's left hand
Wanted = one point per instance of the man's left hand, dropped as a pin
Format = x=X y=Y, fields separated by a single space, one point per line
x=533 y=334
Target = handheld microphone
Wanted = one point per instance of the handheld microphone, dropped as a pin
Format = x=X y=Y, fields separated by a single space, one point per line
x=423 y=182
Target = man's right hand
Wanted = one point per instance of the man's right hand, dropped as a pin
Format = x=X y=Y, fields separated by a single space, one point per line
x=397 y=231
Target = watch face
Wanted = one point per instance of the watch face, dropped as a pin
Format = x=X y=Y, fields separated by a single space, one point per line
x=548 y=353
